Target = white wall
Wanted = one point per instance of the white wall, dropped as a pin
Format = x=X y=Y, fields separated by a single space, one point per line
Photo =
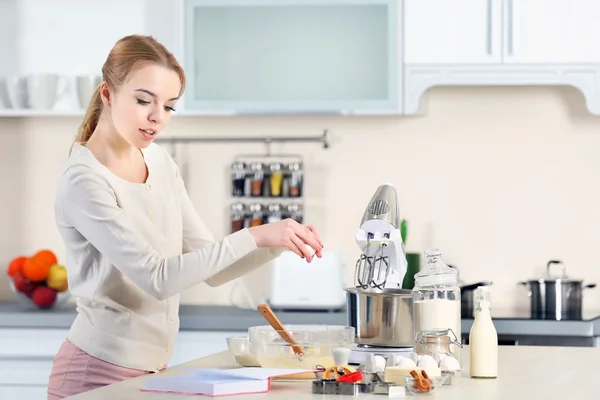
x=501 y=179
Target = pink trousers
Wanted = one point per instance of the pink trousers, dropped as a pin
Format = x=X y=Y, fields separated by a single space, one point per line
x=74 y=371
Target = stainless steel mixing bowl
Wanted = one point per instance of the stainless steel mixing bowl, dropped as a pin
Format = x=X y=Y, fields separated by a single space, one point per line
x=381 y=317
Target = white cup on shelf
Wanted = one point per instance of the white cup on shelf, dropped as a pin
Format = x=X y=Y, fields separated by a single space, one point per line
x=85 y=85
x=45 y=89
x=16 y=88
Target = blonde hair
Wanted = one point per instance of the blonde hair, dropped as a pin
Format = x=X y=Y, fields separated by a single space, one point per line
x=127 y=54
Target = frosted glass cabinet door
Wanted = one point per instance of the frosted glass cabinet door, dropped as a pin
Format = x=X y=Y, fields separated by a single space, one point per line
x=452 y=32
x=552 y=31
x=292 y=56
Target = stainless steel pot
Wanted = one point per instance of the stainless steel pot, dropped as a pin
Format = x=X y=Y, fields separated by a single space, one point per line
x=556 y=298
x=381 y=317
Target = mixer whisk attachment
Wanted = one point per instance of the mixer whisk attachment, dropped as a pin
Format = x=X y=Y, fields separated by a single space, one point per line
x=372 y=271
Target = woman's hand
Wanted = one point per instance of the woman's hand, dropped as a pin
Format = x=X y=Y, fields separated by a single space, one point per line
x=291 y=234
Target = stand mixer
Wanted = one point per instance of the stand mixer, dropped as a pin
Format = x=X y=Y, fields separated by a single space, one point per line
x=377 y=306
x=382 y=263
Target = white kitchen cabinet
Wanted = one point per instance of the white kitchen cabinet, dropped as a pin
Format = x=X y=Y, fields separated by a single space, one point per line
x=293 y=56
x=190 y=345
x=552 y=31
x=452 y=32
x=26 y=357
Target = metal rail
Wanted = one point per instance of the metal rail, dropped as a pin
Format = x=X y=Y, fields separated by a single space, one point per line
x=266 y=139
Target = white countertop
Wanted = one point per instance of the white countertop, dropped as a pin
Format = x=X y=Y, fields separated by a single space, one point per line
x=530 y=373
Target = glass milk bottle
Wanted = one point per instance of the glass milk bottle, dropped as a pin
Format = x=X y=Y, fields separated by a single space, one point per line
x=483 y=338
x=436 y=299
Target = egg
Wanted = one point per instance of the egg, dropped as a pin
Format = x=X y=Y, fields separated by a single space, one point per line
x=427 y=361
x=449 y=364
x=380 y=363
x=406 y=363
x=414 y=356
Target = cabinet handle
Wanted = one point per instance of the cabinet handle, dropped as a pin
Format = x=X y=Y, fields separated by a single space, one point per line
x=510 y=25
x=489 y=27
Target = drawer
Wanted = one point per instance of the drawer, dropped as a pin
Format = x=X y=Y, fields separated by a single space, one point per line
x=23 y=392
x=36 y=343
x=25 y=372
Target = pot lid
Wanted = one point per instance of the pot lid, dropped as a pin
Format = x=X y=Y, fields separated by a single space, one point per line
x=552 y=276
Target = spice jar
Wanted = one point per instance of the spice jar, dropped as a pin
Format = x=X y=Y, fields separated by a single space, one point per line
x=274 y=213
x=276 y=179
x=295 y=212
x=436 y=298
x=294 y=185
x=257 y=175
x=256 y=214
x=237 y=217
x=238 y=172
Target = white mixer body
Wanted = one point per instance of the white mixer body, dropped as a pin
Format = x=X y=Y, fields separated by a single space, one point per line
x=380 y=245
x=382 y=263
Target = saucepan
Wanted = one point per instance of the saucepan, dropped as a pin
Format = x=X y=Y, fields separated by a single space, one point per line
x=556 y=297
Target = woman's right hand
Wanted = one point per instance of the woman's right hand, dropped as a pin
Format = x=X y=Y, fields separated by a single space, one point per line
x=290 y=234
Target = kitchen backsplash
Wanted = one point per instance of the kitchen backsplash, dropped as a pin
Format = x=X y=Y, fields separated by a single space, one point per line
x=500 y=179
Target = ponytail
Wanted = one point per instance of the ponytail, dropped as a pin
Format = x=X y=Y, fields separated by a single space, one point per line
x=90 y=121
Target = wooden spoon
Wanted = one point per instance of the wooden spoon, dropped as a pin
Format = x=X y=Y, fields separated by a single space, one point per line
x=272 y=319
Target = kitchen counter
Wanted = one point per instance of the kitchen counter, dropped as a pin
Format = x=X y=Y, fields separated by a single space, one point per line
x=192 y=317
x=228 y=318
x=524 y=373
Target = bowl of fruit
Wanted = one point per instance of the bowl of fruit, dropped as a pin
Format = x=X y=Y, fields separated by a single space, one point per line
x=38 y=281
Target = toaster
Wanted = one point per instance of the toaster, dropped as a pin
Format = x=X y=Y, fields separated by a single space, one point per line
x=318 y=285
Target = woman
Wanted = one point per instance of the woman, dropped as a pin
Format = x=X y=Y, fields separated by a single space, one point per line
x=133 y=239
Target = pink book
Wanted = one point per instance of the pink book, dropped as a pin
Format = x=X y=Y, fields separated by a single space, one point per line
x=218 y=382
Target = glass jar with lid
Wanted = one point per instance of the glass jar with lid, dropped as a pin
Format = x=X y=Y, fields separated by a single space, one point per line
x=238 y=178
x=256 y=214
x=237 y=217
x=257 y=175
x=436 y=298
x=275 y=213
x=276 y=179
x=295 y=179
x=439 y=344
x=295 y=212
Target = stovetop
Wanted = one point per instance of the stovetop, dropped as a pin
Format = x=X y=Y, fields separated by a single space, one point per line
x=525 y=314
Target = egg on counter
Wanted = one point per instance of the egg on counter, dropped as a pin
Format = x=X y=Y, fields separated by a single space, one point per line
x=406 y=363
x=427 y=361
x=449 y=364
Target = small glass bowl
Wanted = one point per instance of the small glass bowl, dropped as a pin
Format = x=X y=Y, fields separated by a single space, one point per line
x=317 y=343
x=436 y=382
x=241 y=349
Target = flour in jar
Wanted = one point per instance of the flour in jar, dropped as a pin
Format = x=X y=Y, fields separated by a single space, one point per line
x=437 y=314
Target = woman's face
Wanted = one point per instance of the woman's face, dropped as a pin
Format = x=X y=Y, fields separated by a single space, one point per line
x=142 y=106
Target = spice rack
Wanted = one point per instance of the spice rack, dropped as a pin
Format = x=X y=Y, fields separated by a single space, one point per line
x=266 y=188
x=251 y=210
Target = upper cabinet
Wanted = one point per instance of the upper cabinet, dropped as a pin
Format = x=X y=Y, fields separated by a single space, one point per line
x=552 y=31
x=501 y=42
x=305 y=56
x=293 y=56
x=452 y=32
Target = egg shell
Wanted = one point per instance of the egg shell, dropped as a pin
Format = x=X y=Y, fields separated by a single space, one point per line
x=406 y=363
x=427 y=361
x=449 y=364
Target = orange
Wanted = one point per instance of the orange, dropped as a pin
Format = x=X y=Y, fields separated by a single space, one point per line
x=16 y=265
x=46 y=258
x=36 y=268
